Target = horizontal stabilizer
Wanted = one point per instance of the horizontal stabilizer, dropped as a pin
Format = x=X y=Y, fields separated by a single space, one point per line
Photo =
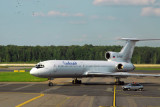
x=135 y=39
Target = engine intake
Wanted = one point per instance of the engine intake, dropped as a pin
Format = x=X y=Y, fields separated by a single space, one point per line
x=119 y=66
x=107 y=55
x=123 y=67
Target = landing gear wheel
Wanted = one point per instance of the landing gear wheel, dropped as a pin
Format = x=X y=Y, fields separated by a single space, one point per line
x=125 y=89
x=72 y=81
x=79 y=81
x=118 y=82
x=121 y=82
x=75 y=81
x=50 y=84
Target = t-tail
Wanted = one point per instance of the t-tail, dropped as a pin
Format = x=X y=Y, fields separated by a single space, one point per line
x=125 y=54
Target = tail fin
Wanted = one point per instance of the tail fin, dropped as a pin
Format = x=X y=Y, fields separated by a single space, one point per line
x=125 y=54
x=128 y=49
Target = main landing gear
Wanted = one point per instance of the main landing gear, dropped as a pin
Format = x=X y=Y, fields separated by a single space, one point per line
x=75 y=81
x=118 y=82
x=50 y=82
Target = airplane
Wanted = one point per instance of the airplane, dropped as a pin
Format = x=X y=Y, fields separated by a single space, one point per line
x=118 y=65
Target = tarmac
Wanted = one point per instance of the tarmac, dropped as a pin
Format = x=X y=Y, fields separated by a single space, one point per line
x=93 y=92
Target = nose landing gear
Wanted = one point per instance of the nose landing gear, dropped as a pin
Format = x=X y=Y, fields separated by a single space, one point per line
x=50 y=82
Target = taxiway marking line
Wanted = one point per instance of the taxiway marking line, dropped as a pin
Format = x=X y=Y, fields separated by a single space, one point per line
x=114 y=97
x=53 y=88
x=23 y=87
x=4 y=85
x=30 y=100
x=62 y=102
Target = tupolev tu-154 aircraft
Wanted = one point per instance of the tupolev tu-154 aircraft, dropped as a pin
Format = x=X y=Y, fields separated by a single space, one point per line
x=118 y=65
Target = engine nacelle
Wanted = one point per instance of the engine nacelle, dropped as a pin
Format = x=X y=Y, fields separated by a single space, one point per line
x=123 y=67
x=113 y=56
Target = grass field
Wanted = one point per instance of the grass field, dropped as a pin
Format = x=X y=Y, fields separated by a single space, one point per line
x=147 y=66
x=19 y=77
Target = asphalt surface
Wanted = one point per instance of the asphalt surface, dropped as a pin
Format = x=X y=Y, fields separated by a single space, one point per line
x=93 y=92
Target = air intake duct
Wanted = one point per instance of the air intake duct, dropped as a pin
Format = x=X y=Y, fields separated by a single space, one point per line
x=125 y=67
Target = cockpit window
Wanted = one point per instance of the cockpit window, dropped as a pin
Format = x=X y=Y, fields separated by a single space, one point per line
x=39 y=65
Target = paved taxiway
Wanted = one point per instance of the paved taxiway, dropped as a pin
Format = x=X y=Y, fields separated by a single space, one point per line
x=93 y=92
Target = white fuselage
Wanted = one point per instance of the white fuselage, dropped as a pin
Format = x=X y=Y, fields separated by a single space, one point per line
x=75 y=68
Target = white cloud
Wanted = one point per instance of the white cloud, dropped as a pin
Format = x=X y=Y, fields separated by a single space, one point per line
x=123 y=2
x=150 y=11
x=57 y=13
x=95 y=17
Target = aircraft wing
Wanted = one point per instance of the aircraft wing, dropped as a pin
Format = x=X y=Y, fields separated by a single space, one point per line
x=119 y=74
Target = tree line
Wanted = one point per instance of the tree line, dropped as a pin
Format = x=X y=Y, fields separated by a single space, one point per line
x=13 y=53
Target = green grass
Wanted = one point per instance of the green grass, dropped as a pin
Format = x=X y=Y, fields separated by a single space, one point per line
x=19 y=77
x=147 y=68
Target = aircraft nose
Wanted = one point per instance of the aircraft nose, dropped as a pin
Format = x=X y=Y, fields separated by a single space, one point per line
x=34 y=72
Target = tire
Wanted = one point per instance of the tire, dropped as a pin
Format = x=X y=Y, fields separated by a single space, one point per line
x=72 y=81
x=79 y=82
x=122 y=82
x=50 y=84
x=76 y=81
x=124 y=89
x=140 y=89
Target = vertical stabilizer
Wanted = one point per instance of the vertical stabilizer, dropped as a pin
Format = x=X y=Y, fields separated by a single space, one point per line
x=128 y=49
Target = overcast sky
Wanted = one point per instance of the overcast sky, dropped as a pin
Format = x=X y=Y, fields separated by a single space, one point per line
x=78 y=22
